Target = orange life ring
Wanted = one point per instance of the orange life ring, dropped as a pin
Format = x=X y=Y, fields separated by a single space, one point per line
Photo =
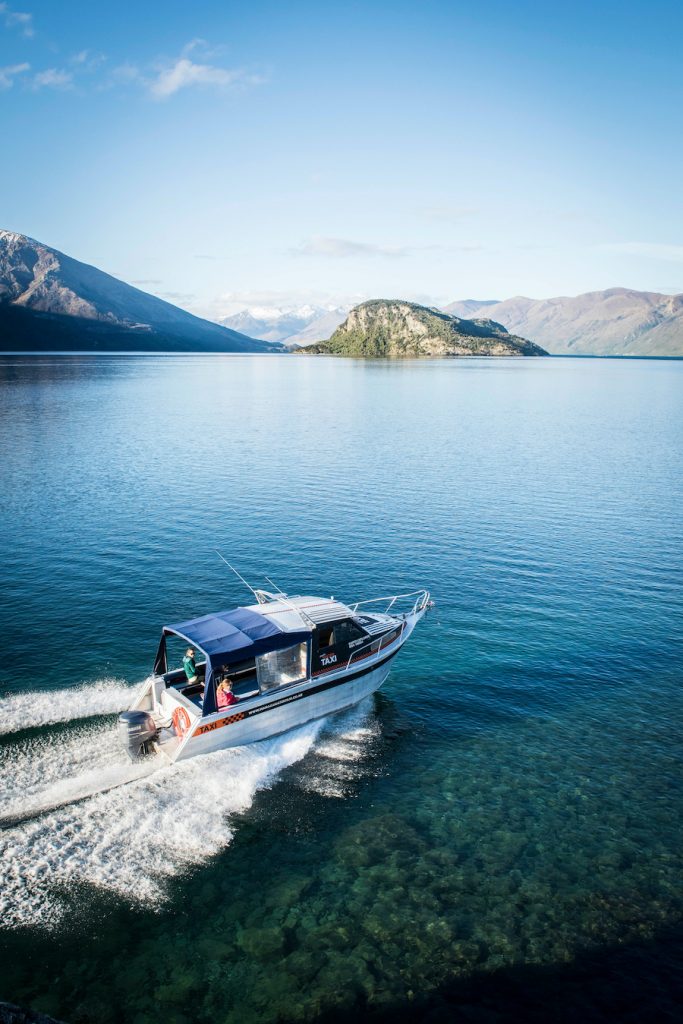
x=181 y=721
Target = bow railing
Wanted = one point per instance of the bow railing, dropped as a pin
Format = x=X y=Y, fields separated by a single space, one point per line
x=419 y=600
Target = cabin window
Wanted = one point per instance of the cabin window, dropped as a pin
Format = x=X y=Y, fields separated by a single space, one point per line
x=347 y=631
x=336 y=643
x=240 y=669
x=279 y=668
x=342 y=632
x=325 y=637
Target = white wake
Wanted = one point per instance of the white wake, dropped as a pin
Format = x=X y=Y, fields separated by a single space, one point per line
x=48 y=707
x=131 y=839
x=50 y=770
x=343 y=754
x=128 y=839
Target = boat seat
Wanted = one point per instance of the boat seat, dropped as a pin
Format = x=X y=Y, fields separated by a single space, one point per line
x=192 y=691
x=169 y=702
x=245 y=687
x=243 y=694
x=195 y=693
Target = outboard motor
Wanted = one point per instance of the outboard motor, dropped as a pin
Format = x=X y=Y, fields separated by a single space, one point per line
x=138 y=731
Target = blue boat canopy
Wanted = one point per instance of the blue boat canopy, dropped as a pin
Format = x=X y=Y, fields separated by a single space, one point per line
x=228 y=637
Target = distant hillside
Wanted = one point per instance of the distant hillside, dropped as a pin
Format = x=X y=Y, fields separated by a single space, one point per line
x=49 y=301
x=469 y=308
x=393 y=328
x=613 y=322
x=318 y=329
x=292 y=326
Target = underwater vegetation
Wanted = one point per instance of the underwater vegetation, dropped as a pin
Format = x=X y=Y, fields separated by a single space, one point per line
x=504 y=818
x=521 y=846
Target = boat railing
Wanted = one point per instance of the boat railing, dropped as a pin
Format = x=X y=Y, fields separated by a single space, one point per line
x=375 y=645
x=419 y=601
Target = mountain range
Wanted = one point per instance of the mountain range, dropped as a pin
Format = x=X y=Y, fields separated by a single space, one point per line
x=50 y=301
x=292 y=325
x=393 y=328
x=616 y=322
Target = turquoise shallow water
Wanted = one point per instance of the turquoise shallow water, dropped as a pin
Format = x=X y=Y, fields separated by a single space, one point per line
x=510 y=802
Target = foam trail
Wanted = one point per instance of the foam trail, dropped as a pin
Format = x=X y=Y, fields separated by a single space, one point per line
x=51 y=770
x=343 y=755
x=47 y=707
x=130 y=838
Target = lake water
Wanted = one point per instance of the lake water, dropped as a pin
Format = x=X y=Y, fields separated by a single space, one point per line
x=503 y=819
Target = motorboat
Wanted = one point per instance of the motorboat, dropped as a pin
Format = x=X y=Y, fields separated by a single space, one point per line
x=289 y=660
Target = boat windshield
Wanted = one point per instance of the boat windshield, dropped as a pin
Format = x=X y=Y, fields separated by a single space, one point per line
x=280 y=668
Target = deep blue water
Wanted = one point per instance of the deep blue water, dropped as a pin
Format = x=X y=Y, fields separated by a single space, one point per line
x=511 y=801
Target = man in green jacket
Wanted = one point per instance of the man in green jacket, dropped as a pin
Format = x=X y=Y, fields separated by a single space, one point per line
x=189 y=665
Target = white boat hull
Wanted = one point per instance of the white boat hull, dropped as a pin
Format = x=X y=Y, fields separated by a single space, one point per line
x=290 y=713
x=182 y=731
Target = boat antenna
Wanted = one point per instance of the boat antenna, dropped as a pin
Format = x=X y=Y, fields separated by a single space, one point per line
x=237 y=574
x=274 y=584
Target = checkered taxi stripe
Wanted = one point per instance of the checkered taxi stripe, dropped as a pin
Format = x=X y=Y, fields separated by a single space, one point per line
x=231 y=719
x=211 y=726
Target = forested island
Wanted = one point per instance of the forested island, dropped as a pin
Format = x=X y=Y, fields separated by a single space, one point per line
x=393 y=328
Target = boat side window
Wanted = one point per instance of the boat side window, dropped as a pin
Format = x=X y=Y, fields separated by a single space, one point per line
x=243 y=677
x=336 y=643
x=280 y=668
x=326 y=637
x=240 y=669
x=347 y=632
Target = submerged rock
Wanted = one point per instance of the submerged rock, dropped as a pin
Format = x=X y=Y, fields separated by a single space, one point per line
x=263 y=943
x=11 y=1014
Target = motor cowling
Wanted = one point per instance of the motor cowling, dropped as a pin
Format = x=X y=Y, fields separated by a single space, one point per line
x=138 y=731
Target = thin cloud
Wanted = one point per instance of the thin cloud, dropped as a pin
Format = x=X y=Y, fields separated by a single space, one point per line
x=7 y=74
x=177 y=296
x=651 y=250
x=201 y=48
x=21 y=20
x=80 y=65
x=185 y=73
x=53 y=78
x=86 y=61
x=446 y=213
x=192 y=69
x=279 y=302
x=270 y=297
x=125 y=74
x=345 y=248
x=474 y=247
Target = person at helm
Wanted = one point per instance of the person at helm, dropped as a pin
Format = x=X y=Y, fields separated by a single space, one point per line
x=190 y=666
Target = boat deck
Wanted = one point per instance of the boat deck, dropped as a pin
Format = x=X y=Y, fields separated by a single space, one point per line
x=167 y=743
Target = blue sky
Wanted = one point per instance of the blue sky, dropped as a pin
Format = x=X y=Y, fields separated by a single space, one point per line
x=222 y=154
